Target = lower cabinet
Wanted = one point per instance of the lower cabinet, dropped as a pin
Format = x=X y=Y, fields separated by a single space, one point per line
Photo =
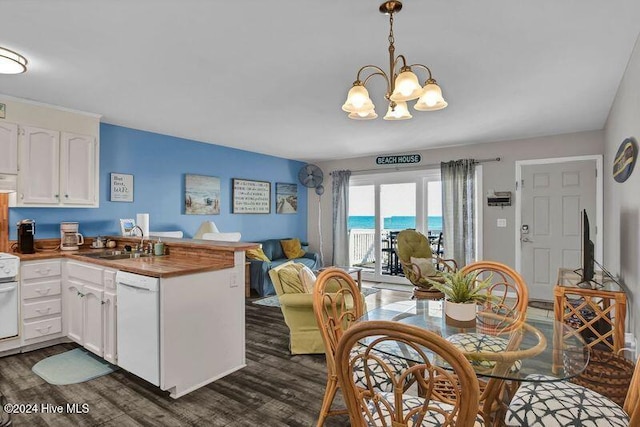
x=40 y=283
x=109 y=327
x=90 y=310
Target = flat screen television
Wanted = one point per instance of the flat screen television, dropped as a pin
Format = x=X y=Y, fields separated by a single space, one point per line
x=588 y=252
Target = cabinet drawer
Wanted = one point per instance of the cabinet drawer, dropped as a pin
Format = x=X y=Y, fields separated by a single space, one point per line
x=84 y=272
x=42 y=328
x=110 y=279
x=37 y=270
x=41 y=289
x=42 y=308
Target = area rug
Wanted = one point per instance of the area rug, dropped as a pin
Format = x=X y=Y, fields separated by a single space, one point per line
x=71 y=367
x=273 y=301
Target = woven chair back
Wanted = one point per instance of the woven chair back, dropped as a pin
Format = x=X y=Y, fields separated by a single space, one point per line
x=509 y=290
x=337 y=303
x=361 y=346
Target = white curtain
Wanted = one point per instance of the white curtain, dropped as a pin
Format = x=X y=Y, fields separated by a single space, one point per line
x=458 y=210
x=340 y=194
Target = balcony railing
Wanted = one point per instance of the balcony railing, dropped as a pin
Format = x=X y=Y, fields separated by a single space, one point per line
x=362 y=250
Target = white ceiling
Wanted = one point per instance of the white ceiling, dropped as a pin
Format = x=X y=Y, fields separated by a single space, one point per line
x=271 y=77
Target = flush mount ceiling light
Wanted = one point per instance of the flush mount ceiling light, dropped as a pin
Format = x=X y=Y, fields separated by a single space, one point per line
x=12 y=62
x=402 y=86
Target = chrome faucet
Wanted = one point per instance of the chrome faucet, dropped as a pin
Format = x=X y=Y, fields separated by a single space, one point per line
x=141 y=237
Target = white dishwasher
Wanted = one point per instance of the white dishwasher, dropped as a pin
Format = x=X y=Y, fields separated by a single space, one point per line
x=138 y=329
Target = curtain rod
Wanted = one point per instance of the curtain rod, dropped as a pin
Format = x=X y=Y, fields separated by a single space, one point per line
x=412 y=168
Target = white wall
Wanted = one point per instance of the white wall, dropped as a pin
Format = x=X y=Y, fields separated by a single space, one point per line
x=499 y=243
x=622 y=200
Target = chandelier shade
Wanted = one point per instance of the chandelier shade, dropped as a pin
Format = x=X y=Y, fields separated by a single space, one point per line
x=431 y=99
x=397 y=111
x=364 y=115
x=407 y=87
x=402 y=83
x=358 y=100
x=12 y=62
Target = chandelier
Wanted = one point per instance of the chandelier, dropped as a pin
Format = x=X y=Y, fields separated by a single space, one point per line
x=401 y=87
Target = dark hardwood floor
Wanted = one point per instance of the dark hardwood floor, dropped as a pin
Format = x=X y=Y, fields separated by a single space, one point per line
x=275 y=389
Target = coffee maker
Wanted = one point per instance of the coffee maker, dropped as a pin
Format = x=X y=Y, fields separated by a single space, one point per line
x=26 y=233
x=70 y=239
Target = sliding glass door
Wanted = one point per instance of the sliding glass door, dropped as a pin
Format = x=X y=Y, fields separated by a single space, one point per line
x=382 y=205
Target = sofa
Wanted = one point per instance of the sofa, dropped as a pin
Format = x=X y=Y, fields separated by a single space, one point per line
x=259 y=270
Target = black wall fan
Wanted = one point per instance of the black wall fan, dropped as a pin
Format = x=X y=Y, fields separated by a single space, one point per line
x=311 y=176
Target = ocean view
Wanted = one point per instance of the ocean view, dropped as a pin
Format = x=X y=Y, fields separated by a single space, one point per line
x=394 y=222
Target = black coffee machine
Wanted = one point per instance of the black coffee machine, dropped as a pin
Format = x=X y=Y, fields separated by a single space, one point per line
x=26 y=233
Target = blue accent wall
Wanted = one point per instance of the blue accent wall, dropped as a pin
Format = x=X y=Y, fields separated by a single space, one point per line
x=159 y=164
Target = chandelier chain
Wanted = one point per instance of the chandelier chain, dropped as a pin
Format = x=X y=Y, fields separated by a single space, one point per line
x=391 y=38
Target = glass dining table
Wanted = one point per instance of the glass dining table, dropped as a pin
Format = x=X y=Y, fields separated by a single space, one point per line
x=514 y=348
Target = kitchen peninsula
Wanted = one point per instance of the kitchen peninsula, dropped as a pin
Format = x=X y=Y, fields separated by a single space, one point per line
x=200 y=306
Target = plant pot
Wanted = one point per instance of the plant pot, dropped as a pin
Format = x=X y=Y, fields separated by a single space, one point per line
x=462 y=315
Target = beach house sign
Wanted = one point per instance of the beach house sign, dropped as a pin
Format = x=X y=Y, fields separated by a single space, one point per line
x=402 y=159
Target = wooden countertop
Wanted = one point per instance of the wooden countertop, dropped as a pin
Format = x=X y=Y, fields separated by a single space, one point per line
x=185 y=256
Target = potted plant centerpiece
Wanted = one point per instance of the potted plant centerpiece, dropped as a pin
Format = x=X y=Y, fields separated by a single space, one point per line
x=462 y=292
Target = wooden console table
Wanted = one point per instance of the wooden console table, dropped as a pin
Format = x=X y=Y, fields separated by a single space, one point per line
x=598 y=315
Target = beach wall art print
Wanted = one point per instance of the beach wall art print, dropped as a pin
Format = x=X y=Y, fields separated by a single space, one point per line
x=201 y=195
x=286 y=198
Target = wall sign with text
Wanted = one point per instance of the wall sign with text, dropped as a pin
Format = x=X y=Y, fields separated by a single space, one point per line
x=403 y=159
x=251 y=196
x=121 y=187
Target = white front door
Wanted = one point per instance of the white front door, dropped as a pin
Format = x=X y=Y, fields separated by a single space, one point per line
x=552 y=196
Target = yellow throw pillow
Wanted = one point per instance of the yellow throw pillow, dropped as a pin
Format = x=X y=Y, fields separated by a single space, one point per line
x=292 y=248
x=290 y=278
x=258 y=254
x=308 y=279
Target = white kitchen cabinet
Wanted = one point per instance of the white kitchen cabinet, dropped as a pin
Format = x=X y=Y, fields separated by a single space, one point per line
x=39 y=177
x=57 y=168
x=40 y=283
x=93 y=319
x=90 y=309
x=9 y=148
x=73 y=310
x=109 y=326
x=78 y=167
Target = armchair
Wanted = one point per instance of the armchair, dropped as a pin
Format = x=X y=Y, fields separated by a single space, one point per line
x=297 y=309
x=418 y=263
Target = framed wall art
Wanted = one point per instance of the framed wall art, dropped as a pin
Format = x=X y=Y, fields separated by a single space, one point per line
x=121 y=187
x=286 y=198
x=251 y=196
x=201 y=195
x=126 y=226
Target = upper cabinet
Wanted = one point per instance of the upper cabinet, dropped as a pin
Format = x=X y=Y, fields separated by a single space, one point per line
x=39 y=181
x=8 y=148
x=54 y=152
x=78 y=169
x=57 y=168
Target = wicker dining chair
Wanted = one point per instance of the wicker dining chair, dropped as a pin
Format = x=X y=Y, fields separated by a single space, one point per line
x=509 y=299
x=361 y=345
x=509 y=291
x=540 y=403
x=337 y=304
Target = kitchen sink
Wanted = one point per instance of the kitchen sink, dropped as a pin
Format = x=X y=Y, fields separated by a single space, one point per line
x=115 y=255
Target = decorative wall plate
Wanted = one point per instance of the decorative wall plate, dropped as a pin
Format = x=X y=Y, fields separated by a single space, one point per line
x=625 y=160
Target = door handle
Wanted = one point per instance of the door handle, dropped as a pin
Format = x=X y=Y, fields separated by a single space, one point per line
x=526 y=240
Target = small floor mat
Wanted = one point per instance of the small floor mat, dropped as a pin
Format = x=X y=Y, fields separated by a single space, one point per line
x=71 y=367
x=273 y=300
